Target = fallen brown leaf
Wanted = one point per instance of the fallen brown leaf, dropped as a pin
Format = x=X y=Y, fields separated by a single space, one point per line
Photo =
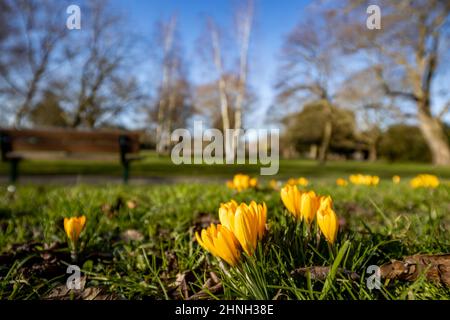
x=212 y=285
x=435 y=267
x=131 y=235
x=321 y=273
x=61 y=292
x=180 y=287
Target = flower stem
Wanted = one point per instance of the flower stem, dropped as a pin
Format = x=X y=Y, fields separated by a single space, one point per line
x=74 y=256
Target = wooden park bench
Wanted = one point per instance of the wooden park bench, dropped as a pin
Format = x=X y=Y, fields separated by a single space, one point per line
x=59 y=144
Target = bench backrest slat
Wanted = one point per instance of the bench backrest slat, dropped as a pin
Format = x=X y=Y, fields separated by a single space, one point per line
x=70 y=141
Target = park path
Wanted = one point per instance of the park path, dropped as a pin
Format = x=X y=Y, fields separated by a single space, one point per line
x=102 y=179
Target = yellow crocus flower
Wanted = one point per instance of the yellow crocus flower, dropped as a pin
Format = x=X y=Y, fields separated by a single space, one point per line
x=327 y=220
x=226 y=213
x=230 y=184
x=220 y=242
x=73 y=227
x=326 y=201
x=425 y=181
x=341 y=182
x=298 y=182
x=291 y=197
x=303 y=205
x=309 y=205
x=355 y=178
x=274 y=184
x=302 y=181
x=292 y=182
x=247 y=222
x=364 y=179
x=396 y=179
x=242 y=182
x=374 y=180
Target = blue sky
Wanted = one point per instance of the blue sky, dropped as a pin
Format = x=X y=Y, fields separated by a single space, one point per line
x=273 y=20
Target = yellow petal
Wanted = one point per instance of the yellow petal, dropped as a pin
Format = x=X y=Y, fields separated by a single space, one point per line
x=244 y=231
x=328 y=223
x=307 y=208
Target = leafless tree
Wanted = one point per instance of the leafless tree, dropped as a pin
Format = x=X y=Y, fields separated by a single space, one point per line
x=173 y=103
x=413 y=46
x=177 y=109
x=207 y=98
x=30 y=53
x=221 y=84
x=168 y=61
x=232 y=104
x=310 y=71
x=87 y=71
x=244 y=17
x=374 y=110
x=104 y=86
x=7 y=31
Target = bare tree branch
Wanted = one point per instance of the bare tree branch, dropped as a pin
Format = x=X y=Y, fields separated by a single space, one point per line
x=444 y=111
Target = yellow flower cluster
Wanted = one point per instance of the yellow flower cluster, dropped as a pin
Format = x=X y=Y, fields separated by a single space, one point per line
x=425 y=181
x=242 y=226
x=300 y=182
x=242 y=182
x=307 y=206
x=367 y=180
x=341 y=182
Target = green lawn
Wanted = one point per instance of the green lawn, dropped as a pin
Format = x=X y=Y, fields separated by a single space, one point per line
x=161 y=166
x=165 y=262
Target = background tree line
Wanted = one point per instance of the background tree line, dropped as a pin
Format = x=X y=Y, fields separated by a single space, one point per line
x=90 y=78
x=341 y=89
x=304 y=132
x=387 y=75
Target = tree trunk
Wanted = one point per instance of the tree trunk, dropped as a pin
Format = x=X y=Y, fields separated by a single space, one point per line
x=224 y=105
x=168 y=129
x=327 y=132
x=245 y=41
x=313 y=151
x=217 y=56
x=160 y=116
x=373 y=155
x=24 y=109
x=168 y=35
x=373 y=151
x=323 y=150
x=435 y=137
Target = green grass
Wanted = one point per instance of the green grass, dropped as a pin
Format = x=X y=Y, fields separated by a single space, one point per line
x=161 y=166
x=380 y=223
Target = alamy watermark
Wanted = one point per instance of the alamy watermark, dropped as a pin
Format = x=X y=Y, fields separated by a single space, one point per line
x=74 y=280
x=374 y=20
x=73 y=21
x=374 y=280
x=234 y=146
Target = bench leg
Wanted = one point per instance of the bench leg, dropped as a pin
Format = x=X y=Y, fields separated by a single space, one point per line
x=126 y=171
x=14 y=170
